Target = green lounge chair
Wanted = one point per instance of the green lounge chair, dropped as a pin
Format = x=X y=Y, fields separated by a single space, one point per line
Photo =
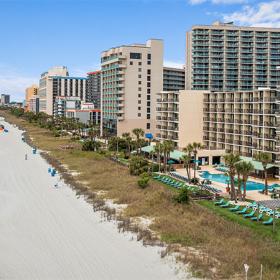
x=233 y=209
x=256 y=218
x=250 y=214
x=221 y=201
x=268 y=222
x=227 y=204
x=243 y=211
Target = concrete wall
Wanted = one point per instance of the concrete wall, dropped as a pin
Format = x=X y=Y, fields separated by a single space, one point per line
x=190 y=117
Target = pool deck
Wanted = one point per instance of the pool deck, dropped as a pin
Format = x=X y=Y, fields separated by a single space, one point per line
x=251 y=194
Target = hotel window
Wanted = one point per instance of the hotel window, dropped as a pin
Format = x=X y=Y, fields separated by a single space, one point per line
x=139 y=69
x=149 y=78
x=148 y=126
x=149 y=56
x=139 y=63
x=148 y=103
x=139 y=101
x=131 y=62
x=148 y=91
x=139 y=95
x=139 y=76
x=135 y=55
x=148 y=84
x=139 y=108
x=139 y=114
x=139 y=89
x=148 y=110
x=149 y=71
x=148 y=97
x=148 y=116
x=149 y=62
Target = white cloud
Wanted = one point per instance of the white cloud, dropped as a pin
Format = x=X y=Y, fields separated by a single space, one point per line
x=174 y=64
x=265 y=14
x=224 y=2
x=14 y=83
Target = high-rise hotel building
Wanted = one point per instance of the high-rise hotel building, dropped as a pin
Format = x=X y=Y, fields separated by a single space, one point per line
x=93 y=92
x=57 y=83
x=224 y=57
x=243 y=122
x=173 y=79
x=131 y=77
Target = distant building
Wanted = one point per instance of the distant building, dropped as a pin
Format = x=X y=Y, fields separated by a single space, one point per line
x=62 y=103
x=132 y=75
x=57 y=83
x=30 y=92
x=86 y=114
x=173 y=79
x=93 y=91
x=5 y=99
x=34 y=104
x=47 y=88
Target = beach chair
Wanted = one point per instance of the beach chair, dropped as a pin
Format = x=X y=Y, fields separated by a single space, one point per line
x=268 y=222
x=225 y=205
x=256 y=218
x=221 y=201
x=236 y=208
x=243 y=211
x=250 y=215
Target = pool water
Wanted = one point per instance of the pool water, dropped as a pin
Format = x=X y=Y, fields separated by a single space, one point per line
x=221 y=178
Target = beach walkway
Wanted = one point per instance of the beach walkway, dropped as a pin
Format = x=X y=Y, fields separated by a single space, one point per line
x=48 y=233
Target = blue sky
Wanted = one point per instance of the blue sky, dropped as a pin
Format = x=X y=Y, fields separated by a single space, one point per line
x=38 y=34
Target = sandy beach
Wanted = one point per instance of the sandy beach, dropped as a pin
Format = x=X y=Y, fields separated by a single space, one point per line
x=48 y=233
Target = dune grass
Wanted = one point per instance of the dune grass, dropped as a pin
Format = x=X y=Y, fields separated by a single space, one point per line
x=215 y=243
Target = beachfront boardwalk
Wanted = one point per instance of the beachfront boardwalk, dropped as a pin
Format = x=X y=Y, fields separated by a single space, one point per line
x=47 y=233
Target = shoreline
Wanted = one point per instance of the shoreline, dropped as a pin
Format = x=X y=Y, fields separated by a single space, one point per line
x=106 y=213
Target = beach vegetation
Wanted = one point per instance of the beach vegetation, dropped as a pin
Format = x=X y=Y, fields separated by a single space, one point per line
x=138 y=165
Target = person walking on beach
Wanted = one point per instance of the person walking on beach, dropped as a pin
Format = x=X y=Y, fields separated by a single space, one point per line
x=25 y=156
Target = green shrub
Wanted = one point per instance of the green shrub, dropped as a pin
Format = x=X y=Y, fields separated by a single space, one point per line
x=91 y=145
x=183 y=196
x=138 y=165
x=143 y=181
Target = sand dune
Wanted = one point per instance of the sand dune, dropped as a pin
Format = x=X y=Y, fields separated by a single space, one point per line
x=47 y=233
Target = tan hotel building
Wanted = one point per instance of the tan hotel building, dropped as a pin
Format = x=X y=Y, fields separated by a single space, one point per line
x=244 y=122
x=131 y=77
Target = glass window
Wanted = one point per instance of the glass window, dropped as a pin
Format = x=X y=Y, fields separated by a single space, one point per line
x=135 y=55
x=148 y=126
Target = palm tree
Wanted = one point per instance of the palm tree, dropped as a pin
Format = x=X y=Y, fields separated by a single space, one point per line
x=158 y=151
x=230 y=161
x=245 y=169
x=238 y=168
x=168 y=147
x=187 y=162
x=265 y=159
x=189 y=150
x=128 y=140
x=138 y=132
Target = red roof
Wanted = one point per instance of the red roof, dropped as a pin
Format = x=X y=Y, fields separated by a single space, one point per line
x=94 y=73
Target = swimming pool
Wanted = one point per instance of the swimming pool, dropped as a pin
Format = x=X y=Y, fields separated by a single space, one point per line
x=221 y=178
